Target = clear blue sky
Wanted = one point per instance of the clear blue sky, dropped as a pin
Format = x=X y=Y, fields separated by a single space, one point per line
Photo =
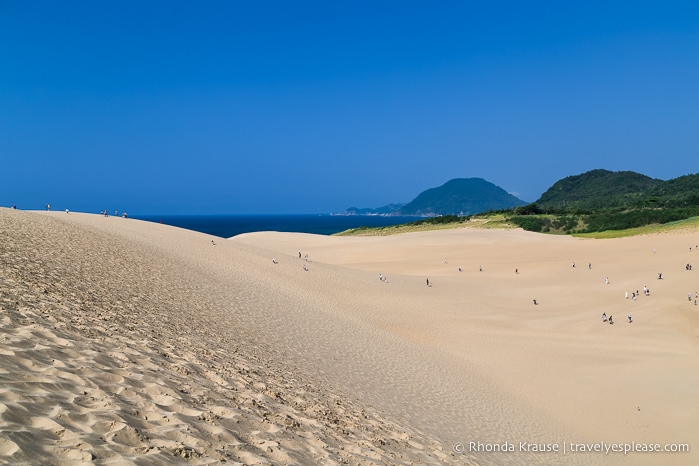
x=312 y=107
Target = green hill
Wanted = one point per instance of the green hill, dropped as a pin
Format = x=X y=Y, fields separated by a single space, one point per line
x=599 y=189
x=601 y=200
x=677 y=192
x=465 y=196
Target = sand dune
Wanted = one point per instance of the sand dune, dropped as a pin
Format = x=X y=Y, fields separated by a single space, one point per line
x=125 y=341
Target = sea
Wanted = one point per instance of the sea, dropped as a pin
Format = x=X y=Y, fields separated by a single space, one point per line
x=226 y=226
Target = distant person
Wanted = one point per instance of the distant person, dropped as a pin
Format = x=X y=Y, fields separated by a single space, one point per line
x=213 y=242
x=66 y=210
x=630 y=320
x=116 y=213
x=610 y=320
x=380 y=277
x=460 y=269
x=589 y=265
x=124 y=215
x=445 y=260
x=299 y=254
x=274 y=261
x=604 y=317
x=535 y=303
x=689 y=296
x=516 y=270
x=480 y=269
x=626 y=295
x=606 y=281
x=428 y=282
x=573 y=264
x=305 y=268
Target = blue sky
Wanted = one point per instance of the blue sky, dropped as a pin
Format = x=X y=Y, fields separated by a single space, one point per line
x=312 y=107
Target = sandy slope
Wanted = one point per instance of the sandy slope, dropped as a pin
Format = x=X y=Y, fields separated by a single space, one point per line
x=128 y=341
x=578 y=378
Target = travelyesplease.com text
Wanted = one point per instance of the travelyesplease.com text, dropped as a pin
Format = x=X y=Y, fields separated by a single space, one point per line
x=569 y=447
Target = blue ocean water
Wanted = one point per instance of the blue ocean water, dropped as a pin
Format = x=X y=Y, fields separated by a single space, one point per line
x=226 y=226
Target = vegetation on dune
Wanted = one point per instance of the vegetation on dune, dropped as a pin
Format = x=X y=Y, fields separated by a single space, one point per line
x=429 y=223
x=489 y=220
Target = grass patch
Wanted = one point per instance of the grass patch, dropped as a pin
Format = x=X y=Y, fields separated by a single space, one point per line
x=446 y=222
x=679 y=225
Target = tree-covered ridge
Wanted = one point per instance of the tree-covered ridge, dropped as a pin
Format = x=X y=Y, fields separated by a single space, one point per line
x=600 y=200
x=599 y=189
x=677 y=192
x=465 y=196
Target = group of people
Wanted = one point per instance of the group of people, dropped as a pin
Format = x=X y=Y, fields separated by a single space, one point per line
x=646 y=291
x=116 y=213
x=688 y=267
x=610 y=319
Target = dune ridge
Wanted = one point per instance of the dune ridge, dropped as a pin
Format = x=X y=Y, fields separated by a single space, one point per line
x=109 y=358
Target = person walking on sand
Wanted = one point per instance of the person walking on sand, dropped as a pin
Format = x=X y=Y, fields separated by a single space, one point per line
x=630 y=320
x=604 y=317
x=573 y=264
x=610 y=320
x=606 y=281
x=689 y=296
x=626 y=295
x=428 y=282
x=380 y=277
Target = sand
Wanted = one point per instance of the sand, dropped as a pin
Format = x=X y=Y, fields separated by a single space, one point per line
x=125 y=341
